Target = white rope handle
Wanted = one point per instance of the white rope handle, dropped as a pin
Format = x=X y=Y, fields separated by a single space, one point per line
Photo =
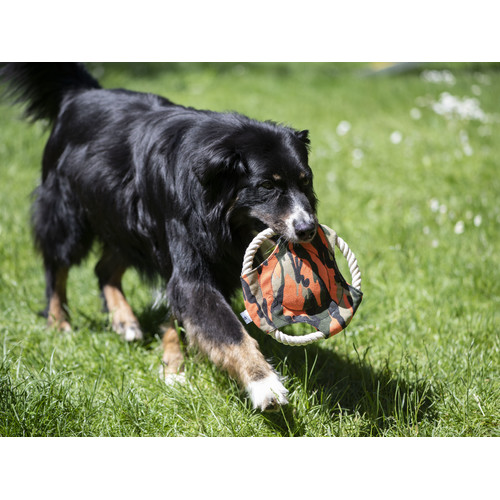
x=308 y=338
x=253 y=247
x=351 y=261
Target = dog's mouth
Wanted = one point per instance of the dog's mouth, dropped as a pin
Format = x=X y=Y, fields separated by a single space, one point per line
x=307 y=237
x=300 y=227
x=304 y=240
x=298 y=230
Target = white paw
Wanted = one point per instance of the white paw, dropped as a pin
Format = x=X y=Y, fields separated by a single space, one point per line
x=129 y=332
x=267 y=393
x=175 y=378
x=172 y=378
x=133 y=333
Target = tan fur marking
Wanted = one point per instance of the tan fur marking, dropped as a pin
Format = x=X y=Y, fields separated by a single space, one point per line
x=276 y=177
x=57 y=317
x=302 y=175
x=173 y=359
x=244 y=362
x=119 y=308
x=124 y=321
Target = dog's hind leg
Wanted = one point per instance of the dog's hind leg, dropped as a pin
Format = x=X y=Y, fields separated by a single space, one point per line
x=109 y=271
x=57 y=310
x=63 y=236
x=172 y=368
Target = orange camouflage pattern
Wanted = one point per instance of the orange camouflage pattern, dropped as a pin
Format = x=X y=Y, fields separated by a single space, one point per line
x=301 y=283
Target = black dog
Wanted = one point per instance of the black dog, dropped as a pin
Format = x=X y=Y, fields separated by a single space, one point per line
x=174 y=192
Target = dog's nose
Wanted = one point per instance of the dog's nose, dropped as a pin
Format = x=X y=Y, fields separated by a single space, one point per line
x=305 y=231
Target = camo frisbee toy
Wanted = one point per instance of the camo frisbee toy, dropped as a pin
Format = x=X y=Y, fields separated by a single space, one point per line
x=300 y=283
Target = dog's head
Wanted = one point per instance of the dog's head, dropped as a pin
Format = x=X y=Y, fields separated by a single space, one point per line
x=278 y=190
x=266 y=178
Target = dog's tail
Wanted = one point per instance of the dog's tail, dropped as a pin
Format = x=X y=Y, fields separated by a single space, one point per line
x=42 y=86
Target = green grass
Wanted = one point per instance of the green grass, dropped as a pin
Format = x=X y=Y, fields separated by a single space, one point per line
x=421 y=357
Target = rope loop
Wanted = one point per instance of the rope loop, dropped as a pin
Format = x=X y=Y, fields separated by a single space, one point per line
x=308 y=338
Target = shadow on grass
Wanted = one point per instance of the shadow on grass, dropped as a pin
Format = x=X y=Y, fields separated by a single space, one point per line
x=151 y=320
x=385 y=399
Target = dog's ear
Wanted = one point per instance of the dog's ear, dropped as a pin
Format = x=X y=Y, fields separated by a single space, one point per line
x=303 y=136
x=219 y=166
x=219 y=175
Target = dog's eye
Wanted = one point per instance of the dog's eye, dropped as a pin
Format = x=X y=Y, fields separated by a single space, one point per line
x=306 y=182
x=267 y=185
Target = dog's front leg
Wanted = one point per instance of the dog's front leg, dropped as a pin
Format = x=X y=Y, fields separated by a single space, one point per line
x=212 y=325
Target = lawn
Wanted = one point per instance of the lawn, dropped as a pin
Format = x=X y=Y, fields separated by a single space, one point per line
x=406 y=171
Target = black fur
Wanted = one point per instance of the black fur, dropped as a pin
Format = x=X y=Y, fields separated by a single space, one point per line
x=173 y=191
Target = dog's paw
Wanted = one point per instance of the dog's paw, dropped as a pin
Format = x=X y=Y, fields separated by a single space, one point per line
x=61 y=326
x=175 y=378
x=64 y=327
x=129 y=331
x=268 y=394
x=171 y=378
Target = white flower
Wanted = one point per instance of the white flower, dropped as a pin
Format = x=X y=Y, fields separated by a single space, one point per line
x=426 y=230
x=415 y=113
x=357 y=157
x=477 y=220
x=467 y=108
x=435 y=243
x=434 y=76
x=358 y=154
x=468 y=151
x=459 y=227
x=464 y=139
x=396 y=137
x=343 y=127
x=434 y=204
